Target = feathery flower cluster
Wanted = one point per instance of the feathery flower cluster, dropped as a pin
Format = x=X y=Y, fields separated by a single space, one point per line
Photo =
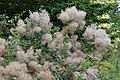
x=46 y=75
x=20 y=27
x=2 y=72
x=15 y=67
x=26 y=57
x=76 y=75
x=16 y=70
x=76 y=19
x=1 y=60
x=74 y=16
x=30 y=57
x=70 y=29
x=91 y=74
x=35 y=66
x=100 y=37
x=76 y=56
x=57 y=42
x=89 y=32
x=2 y=46
x=40 y=21
x=42 y=71
x=47 y=38
x=35 y=23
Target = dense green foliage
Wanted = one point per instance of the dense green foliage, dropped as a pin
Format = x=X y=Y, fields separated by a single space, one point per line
x=92 y=7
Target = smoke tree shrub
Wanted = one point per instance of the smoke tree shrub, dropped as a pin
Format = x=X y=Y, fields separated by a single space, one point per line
x=43 y=58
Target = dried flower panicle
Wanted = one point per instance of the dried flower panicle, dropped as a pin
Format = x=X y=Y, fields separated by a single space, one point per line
x=35 y=66
x=36 y=29
x=36 y=22
x=20 y=26
x=41 y=21
x=21 y=56
x=89 y=32
x=70 y=29
x=2 y=46
x=76 y=75
x=74 y=44
x=24 y=76
x=45 y=73
x=91 y=74
x=74 y=58
x=71 y=14
x=74 y=15
x=1 y=60
x=57 y=42
x=14 y=68
x=97 y=56
x=26 y=57
x=2 y=69
x=101 y=40
x=47 y=38
x=100 y=36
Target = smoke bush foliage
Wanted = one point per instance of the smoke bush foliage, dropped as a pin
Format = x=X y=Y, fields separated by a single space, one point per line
x=41 y=54
x=60 y=42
